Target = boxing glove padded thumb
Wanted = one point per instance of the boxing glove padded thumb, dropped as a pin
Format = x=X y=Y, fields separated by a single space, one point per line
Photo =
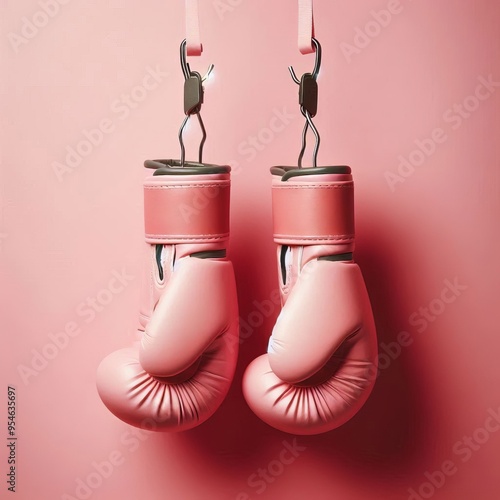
x=328 y=304
x=195 y=308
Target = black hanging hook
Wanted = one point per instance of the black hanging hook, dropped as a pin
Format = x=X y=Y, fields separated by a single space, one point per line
x=308 y=101
x=193 y=99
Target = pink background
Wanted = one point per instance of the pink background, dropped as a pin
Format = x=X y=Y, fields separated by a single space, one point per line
x=63 y=238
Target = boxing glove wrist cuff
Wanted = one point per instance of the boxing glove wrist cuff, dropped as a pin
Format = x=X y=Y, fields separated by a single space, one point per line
x=313 y=210
x=186 y=209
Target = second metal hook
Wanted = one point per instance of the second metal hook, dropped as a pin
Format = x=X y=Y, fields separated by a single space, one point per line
x=317 y=63
x=193 y=99
x=308 y=101
x=186 y=69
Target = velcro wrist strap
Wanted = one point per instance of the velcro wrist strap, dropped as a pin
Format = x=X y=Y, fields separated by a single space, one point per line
x=313 y=213
x=186 y=211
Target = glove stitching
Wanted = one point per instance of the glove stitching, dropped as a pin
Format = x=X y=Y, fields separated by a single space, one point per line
x=181 y=186
x=184 y=238
x=314 y=238
x=340 y=186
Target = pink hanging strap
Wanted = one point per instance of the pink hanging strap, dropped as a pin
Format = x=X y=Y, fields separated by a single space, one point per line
x=193 y=40
x=306 y=26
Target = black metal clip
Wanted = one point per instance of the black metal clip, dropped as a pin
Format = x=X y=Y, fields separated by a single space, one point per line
x=308 y=94
x=308 y=101
x=193 y=94
x=193 y=99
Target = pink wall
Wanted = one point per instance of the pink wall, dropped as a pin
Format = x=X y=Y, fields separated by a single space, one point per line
x=425 y=232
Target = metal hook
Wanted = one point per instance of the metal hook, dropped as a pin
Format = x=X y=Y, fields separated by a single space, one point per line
x=308 y=101
x=309 y=123
x=193 y=99
x=202 y=142
x=186 y=69
x=317 y=63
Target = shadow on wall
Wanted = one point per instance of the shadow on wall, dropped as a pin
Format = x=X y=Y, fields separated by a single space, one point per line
x=389 y=437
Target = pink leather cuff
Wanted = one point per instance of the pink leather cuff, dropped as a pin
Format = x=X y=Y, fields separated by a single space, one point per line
x=313 y=213
x=182 y=209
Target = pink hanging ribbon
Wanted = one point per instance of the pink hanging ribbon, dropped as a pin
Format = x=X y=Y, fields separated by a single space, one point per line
x=193 y=40
x=306 y=26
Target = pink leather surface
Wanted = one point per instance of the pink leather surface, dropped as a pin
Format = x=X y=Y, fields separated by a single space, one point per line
x=322 y=355
x=62 y=238
x=180 y=373
x=182 y=369
x=199 y=305
x=184 y=209
x=338 y=307
x=309 y=212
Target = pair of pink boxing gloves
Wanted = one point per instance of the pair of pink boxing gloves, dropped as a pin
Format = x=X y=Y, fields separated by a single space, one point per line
x=321 y=362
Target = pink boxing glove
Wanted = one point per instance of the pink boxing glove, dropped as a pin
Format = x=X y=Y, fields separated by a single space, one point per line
x=321 y=362
x=180 y=372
